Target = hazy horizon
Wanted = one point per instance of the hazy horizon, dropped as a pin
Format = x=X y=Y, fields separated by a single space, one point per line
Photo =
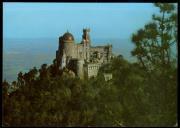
x=19 y=56
x=31 y=30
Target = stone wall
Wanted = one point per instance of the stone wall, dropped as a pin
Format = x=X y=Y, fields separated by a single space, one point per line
x=91 y=69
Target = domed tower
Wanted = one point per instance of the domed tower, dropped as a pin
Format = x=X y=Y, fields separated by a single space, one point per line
x=66 y=46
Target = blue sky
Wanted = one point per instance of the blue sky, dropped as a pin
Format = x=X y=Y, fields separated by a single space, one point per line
x=50 y=20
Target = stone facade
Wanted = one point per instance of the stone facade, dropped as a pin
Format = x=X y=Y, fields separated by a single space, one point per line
x=82 y=58
x=91 y=69
x=107 y=76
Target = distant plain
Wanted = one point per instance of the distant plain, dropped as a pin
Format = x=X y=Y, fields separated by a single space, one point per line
x=24 y=54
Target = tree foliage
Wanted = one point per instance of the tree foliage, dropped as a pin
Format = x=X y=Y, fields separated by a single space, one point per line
x=153 y=43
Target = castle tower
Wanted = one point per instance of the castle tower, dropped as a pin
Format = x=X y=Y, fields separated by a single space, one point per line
x=63 y=61
x=80 y=68
x=66 y=49
x=59 y=52
x=86 y=44
x=68 y=44
x=109 y=52
x=85 y=36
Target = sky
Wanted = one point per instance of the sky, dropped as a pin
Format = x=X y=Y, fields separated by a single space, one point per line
x=51 y=20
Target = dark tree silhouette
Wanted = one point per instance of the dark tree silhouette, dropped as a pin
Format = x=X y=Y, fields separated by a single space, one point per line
x=153 y=42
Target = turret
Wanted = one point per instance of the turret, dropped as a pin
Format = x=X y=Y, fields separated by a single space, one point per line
x=63 y=62
x=86 y=44
x=85 y=36
x=68 y=44
x=80 y=68
x=109 y=52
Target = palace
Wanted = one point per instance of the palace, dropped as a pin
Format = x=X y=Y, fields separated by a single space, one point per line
x=82 y=58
